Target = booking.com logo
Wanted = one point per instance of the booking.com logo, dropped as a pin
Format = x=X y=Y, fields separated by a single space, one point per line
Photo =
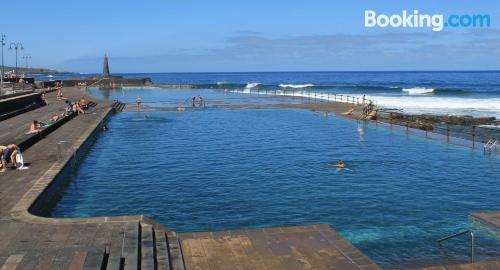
x=415 y=20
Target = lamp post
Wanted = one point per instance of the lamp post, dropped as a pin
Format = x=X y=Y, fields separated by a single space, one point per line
x=17 y=46
x=26 y=57
x=2 y=44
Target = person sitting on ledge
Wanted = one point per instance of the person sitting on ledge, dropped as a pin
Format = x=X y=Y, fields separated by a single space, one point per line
x=349 y=112
x=83 y=103
x=77 y=108
x=56 y=117
x=34 y=128
x=44 y=99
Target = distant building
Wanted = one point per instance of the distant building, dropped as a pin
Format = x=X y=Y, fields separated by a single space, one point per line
x=105 y=67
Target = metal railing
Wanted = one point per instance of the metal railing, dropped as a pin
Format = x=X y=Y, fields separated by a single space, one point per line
x=466 y=135
x=14 y=88
x=312 y=95
x=472 y=242
x=491 y=146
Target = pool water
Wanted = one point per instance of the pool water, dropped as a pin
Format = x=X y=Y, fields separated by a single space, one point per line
x=219 y=169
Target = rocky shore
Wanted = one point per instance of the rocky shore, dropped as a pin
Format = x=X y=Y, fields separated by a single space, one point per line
x=428 y=122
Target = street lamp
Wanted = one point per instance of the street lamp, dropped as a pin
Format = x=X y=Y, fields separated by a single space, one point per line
x=18 y=46
x=26 y=57
x=2 y=44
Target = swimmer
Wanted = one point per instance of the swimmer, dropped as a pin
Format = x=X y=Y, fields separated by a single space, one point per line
x=193 y=101
x=340 y=164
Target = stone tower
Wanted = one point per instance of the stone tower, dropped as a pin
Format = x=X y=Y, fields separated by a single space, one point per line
x=105 y=67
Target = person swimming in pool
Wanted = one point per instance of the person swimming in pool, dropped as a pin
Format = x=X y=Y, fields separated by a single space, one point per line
x=193 y=101
x=340 y=164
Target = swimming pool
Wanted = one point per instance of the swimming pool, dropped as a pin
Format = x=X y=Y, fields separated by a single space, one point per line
x=219 y=169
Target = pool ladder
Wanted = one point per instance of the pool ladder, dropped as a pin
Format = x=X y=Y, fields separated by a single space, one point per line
x=472 y=242
x=490 y=145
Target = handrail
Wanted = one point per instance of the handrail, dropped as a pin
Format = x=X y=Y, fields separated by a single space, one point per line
x=88 y=86
x=327 y=96
x=459 y=234
x=488 y=147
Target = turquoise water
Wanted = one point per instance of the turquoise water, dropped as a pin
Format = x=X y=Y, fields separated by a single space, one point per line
x=220 y=169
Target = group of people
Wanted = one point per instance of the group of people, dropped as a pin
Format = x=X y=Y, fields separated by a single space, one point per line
x=77 y=107
x=71 y=107
x=8 y=153
x=200 y=101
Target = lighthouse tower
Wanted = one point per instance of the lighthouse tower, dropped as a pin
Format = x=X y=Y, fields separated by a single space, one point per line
x=105 y=67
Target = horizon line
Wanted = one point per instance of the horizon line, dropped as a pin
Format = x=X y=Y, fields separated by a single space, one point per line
x=301 y=71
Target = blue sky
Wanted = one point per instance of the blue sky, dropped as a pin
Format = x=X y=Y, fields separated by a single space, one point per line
x=254 y=35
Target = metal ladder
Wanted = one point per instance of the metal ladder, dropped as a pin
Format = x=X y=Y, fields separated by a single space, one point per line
x=472 y=242
x=490 y=145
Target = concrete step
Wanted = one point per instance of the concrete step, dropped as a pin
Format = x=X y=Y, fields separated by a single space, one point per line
x=131 y=252
x=94 y=260
x=136 y=246
x=176 y=259
x=114 y=251
x=162 y=256
x=148 y=252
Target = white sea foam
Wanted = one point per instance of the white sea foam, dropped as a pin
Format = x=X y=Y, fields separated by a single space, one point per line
x=441 y=105
x=296 y=86
x=252 y=85
x=409 y=104
x=418 y=90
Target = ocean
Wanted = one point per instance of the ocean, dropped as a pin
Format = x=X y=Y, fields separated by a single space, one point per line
x=475 y=93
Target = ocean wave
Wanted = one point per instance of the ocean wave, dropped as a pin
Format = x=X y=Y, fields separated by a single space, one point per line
x=252 y=85
x=296 y=85
x=441 y=105
x=418 y=104
x=418 y=90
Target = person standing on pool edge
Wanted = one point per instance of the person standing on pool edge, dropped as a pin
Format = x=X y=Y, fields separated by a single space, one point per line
x=200 y=101
x=139 y=102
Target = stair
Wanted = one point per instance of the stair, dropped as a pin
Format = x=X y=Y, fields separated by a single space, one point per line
x=118 y=106
x=138 y=246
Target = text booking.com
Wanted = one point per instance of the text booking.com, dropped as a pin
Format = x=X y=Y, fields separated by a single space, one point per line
x=437 y=22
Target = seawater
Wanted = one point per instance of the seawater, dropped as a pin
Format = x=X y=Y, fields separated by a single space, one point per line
x=475 y=93
x=218 y=169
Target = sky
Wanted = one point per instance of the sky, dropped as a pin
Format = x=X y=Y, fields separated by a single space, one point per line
x=252 y=35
